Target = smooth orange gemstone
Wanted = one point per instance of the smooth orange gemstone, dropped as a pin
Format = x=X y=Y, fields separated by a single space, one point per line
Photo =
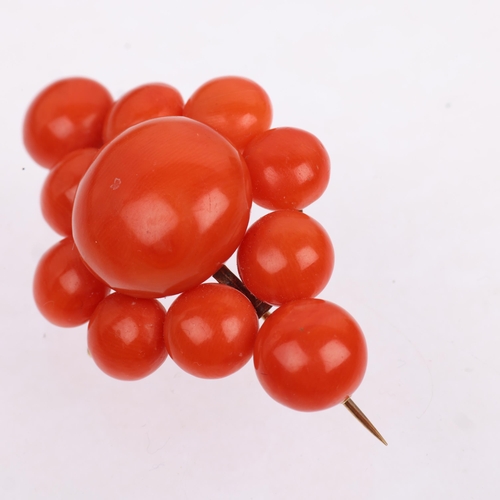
x=65 y=116
x=285 y=255
x=310 y=355
x=65 y=291
x=152 y=100
x=125 y=336
x=163 y=206
x=210 y=330
x=236 y=107
x=289 y=168
x=59 y=189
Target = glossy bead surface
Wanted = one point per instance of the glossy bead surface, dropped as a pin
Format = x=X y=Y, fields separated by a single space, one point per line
x=210 y=330
x=163 y=206
x=59 y=189
x=285 y=255
x=125 y=336
x=65 y=291
x=236 y=107
x=310 y=355
x=140 y=104
x=289 y=168
x=65 y=116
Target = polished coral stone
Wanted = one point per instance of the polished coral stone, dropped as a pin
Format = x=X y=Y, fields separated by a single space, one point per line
x=163 y=206
x=65 y=291
x=236 y=107
x=125 y=336
x=285 y=255
x=65 y=116
x=59 y=189
x=310 y=355
x=289 y=168
x=152 y=100
x=210 y=330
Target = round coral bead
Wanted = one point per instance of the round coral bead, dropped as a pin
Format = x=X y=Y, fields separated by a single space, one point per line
x=285 y=255
x=163 y=206
x=310 y=355
x=65 y=116
x=236 y=107
x=125 y=336
x=59 y=189
x=210 y=330
x=289 y=168
x=152 y=100
x=65 y=291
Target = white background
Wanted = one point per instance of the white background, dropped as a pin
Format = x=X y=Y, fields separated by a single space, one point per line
x=405 y=97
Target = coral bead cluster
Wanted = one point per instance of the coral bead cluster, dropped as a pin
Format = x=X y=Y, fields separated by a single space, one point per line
x=152 y=195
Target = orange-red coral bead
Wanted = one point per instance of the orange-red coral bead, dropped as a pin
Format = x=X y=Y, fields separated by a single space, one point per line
x=310 y=355
x=65 y=291
x=210 y=330
x=236 y=107
x=125 y=336
x=65 y=116
x=163 y=206
x=152 y=100
x=289 y=168
x=59 y=189
x=285 y=255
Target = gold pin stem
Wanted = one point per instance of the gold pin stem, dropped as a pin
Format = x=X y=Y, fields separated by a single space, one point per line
x=353 y=408
x=226 y=277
